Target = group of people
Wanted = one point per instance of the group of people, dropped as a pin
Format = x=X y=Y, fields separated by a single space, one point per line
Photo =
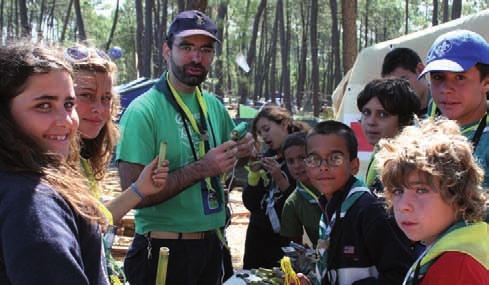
x=58 y=107
x=418 y=217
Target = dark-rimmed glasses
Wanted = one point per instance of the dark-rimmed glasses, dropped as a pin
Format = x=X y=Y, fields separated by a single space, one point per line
x=333 y=160
x=204 y=51
x=81 y=54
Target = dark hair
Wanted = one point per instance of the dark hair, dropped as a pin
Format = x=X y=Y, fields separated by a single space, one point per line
x=395 y=95
x=18 y=63
x=21 y=153
x=278 y=115
x=294 y=139
x=400 y=57
x=483 y=69
x=331 y=127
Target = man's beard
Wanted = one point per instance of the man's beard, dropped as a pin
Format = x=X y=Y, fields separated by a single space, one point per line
x=188 y=79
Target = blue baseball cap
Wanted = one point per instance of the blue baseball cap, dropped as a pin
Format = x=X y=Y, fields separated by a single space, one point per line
x=190 y=23
x=456 y=51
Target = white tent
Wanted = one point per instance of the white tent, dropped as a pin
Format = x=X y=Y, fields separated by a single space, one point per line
x=369 y=62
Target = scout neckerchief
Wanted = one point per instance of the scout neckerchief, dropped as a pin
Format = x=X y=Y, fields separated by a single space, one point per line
x=92 y=183
x=480 y=127
x=372 y=171
x=307 y=193
x=358 y=189
x=113 y=268
x=210 y=187
x=271 y=197
x=469 y=239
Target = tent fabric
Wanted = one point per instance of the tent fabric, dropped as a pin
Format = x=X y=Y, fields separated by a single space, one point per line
x=369 y=63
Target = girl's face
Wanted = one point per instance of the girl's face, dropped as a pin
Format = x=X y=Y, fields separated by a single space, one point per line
x=45 y=110
x=377 y=123
x=94 y=101
x=294 y=157
x=273 y=134
x=420 y=211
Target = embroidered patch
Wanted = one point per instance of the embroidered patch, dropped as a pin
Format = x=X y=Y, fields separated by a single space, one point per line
x=199 y=20
x=440 y=50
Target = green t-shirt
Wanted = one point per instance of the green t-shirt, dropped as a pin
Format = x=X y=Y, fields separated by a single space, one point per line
x=149 y=120
x=301 y=210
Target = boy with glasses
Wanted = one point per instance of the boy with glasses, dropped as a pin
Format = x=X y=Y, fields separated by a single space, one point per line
x=357 y=242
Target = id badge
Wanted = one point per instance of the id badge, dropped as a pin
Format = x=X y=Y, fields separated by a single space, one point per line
x=210 y=200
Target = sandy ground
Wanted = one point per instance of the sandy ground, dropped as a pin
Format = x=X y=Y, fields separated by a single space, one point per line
x=236 y=232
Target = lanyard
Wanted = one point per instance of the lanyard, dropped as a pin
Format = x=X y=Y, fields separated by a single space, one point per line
x=199 y=129
x=202 y=129
x=314 y=196
x=478 y=133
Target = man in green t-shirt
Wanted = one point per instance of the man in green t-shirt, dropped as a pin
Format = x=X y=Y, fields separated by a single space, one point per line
x=187 y=216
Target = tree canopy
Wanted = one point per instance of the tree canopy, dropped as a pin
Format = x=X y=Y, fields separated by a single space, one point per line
x=297 y=51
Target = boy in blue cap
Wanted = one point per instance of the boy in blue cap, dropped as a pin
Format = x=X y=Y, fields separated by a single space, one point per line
x=458 y=63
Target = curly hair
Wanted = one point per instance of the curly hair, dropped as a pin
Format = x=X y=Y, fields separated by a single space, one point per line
x=19 y=152
x=98 y=150
x=436 y=150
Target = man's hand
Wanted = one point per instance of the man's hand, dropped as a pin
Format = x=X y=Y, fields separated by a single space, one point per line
x=220 y=159
x=245 y=146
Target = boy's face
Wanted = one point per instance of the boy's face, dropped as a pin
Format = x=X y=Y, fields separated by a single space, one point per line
x=420 y=211
x=460 y=96
x=326 y=178
x=420 y=86
x=294 y=157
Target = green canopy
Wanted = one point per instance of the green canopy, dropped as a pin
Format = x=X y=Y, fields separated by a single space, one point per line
x=246 y=112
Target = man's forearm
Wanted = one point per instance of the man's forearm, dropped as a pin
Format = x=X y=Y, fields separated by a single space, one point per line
x=177 y=182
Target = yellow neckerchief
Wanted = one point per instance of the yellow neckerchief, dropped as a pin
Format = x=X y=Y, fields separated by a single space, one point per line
x=92 y=183
x=203 y=106
x=464 y=131
x=372 y=171
x=475 y=126
x=472 y=240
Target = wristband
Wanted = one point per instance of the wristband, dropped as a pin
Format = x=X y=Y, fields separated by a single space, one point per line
x=135 y=189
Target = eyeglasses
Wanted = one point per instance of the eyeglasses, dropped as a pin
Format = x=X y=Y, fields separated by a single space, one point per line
x=333 y=160
x=81 y=54
x=204 y=51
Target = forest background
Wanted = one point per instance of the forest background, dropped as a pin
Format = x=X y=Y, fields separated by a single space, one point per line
x=300 y=49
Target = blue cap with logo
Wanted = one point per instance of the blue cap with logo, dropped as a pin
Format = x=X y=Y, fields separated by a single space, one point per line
x=456 y=51
x=190 y=23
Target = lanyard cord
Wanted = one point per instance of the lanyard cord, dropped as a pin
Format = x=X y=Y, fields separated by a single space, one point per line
x=199 y=129
x=309 y=191
x=478 y=133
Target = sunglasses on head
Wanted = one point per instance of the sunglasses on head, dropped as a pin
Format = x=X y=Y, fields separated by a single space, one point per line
x=81 y=54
